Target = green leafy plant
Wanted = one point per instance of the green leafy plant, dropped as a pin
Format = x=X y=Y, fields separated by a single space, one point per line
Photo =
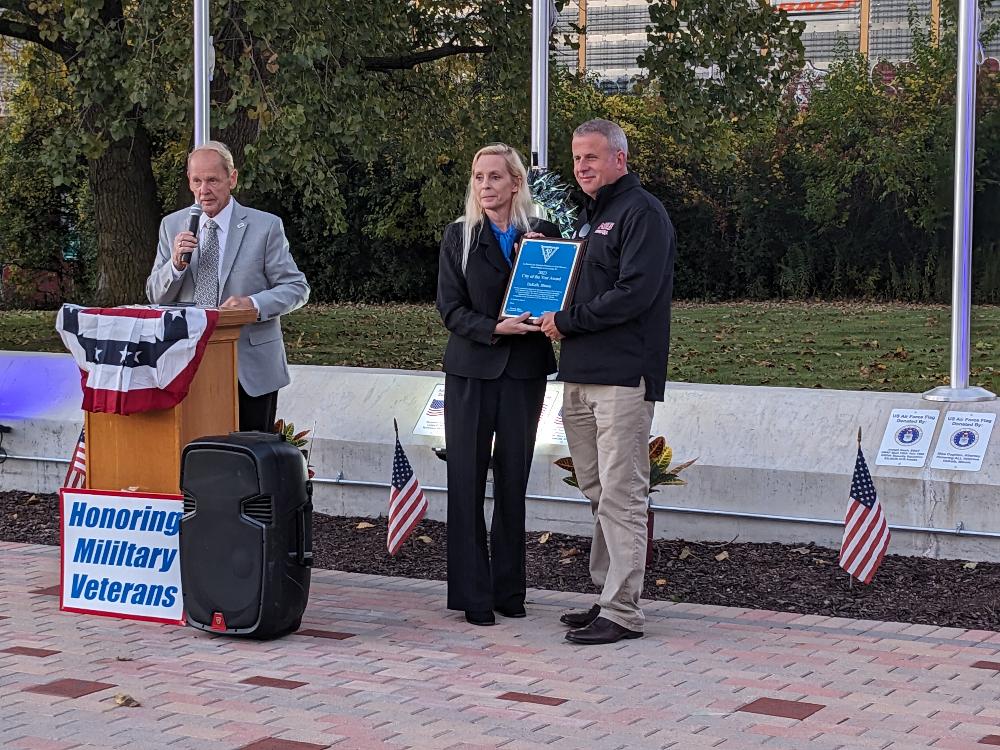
x=660 y=471
x=299 y=439
x=287 y=430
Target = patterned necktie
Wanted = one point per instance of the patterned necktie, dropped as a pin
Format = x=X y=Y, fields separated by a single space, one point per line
x=206 y=287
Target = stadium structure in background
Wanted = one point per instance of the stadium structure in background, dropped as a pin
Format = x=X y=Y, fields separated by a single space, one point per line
x=615 y=33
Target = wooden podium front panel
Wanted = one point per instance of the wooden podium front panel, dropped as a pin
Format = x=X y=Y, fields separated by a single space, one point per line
x=212 y=404
x=138 y=450
x=144 y=450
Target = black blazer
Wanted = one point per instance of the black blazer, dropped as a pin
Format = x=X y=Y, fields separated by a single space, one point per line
x=469 y=304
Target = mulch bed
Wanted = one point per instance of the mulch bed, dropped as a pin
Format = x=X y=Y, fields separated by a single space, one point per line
x=786 y=578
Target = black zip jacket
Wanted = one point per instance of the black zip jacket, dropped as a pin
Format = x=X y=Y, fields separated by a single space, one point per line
x=617 y=328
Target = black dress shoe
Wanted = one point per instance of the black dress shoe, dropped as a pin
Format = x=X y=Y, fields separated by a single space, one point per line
x=601 y=630
x=480 y=616
x=512 y=610
x=580 y=619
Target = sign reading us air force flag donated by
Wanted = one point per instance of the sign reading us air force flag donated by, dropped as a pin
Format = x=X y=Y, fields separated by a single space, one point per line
x=431 y=420
x=120 y=554
x=907 y=437
x=543 y=277
x=963 y=440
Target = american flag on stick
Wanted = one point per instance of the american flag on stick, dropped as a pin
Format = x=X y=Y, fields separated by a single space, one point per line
x=866 y=533
x=76 y=476
x=407 y=504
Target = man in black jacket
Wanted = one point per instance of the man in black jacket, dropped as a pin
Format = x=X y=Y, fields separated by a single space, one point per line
x=613 y=361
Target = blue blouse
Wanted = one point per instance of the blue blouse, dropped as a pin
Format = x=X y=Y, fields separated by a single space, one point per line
x=506 y=240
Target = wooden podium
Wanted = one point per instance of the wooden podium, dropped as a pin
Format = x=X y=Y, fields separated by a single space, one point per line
x=144 y=450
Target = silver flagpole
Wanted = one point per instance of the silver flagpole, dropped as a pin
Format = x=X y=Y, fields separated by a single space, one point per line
x=540 y=83
x=202 y=115
x=965 y=168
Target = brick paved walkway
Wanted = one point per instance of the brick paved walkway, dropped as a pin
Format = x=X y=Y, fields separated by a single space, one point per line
x=381 y=664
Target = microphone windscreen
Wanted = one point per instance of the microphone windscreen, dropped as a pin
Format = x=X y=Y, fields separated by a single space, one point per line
x=195 y=218
x=194 y=214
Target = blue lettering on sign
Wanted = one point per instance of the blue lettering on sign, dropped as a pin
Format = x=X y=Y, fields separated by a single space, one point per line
x=122 y=592
x=136 y=519
x=123 y=554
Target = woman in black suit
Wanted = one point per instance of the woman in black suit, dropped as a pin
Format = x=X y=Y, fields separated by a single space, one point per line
x=495 y=373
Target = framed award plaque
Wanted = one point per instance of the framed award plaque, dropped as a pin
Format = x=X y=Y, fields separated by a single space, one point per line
x=543 y=277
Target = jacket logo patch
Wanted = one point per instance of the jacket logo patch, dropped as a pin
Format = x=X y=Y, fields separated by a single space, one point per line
x=548 y=251
x=604 y=228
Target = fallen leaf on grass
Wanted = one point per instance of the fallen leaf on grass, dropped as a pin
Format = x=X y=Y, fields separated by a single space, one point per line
x=818 y=561
x=571 y=552
x=544 y=538
x=566 y=561
x=685 y=553
x=722 y=556
x=970 y=566
x=802 y=550
x=365 y=525
x=425 y=539
x=661 y=581
x=126 y=700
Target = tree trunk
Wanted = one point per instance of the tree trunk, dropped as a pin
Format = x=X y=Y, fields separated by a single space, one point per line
x=126 y=218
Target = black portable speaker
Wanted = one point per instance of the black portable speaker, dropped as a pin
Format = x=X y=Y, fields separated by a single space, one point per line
x=246 y=534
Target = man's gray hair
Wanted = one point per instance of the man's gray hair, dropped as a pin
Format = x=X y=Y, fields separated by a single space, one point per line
x=218 y=147
x=614 y=135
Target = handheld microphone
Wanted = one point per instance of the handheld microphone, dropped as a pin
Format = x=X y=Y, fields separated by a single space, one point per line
x=194 y=214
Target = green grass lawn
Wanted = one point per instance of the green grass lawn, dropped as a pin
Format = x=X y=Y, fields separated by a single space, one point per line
x=858 y=346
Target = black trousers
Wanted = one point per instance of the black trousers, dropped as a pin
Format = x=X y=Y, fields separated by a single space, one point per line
x=257 y=412
x=483 y=574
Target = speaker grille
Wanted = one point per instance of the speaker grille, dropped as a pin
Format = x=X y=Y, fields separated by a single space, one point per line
x=258 y=509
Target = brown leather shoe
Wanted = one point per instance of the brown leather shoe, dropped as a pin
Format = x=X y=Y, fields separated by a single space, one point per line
x=580 y=619
x=601 y=630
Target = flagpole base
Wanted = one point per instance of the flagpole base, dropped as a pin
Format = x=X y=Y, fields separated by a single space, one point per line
x=947 y=393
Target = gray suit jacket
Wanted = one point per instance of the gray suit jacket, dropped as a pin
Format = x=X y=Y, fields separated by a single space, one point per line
x=256 y=262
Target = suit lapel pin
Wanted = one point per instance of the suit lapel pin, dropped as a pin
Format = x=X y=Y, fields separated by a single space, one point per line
x=241 y=225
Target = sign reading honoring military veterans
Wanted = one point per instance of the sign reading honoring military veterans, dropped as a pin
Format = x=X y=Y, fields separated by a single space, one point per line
x=963 y=440
x=135 y=359
x=431 y=420
x=120 y=555
x=543 y=277
x=907 y=437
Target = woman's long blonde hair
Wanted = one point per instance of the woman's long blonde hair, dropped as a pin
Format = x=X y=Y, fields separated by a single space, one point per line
x=519 y=211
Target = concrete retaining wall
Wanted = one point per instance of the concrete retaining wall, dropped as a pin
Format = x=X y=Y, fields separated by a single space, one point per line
x=771 y=451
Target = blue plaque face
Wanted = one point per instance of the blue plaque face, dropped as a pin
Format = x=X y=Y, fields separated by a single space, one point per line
x=543 y=277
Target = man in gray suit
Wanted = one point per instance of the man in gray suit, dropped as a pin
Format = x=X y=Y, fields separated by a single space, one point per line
x=239 y=260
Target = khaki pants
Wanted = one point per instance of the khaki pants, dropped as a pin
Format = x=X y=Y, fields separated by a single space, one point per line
x=607 y=428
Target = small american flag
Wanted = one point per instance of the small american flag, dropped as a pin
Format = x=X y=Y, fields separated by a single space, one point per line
x=436 y=408
x=76 y=476
x=866 y=534
x=407 y=504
